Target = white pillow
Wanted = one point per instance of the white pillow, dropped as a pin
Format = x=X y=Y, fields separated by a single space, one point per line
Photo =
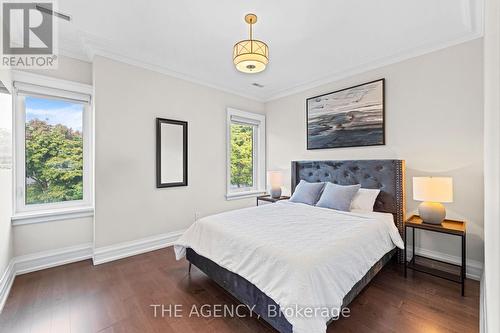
x=364 y=199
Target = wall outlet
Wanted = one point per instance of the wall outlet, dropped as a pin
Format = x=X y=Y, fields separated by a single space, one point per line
x=197 y=216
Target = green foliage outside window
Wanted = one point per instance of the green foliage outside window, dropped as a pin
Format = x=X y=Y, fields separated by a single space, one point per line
x=54 y=163
x=241 y=155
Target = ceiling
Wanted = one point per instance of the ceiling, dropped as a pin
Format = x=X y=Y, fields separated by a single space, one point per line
x=311 y=42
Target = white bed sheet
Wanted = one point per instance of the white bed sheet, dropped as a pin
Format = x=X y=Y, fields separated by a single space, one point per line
x=303 y=257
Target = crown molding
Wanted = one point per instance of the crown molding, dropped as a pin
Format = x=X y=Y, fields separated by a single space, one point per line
x=473 y=18
x=74 y=55
x=93 y=50
x=386 y=61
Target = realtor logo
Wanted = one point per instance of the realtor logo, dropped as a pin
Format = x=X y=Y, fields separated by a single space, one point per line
x=28 y=35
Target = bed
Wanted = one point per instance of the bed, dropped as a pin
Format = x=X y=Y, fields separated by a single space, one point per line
x=285 y=258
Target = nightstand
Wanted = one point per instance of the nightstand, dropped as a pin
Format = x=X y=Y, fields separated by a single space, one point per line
x=269 y=199
x=455 y=273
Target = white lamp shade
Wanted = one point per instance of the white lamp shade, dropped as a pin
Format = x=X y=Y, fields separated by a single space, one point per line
x=275 y=178
x=433 y=189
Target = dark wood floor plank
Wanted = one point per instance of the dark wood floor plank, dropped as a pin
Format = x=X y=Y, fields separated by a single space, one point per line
x=117 y=297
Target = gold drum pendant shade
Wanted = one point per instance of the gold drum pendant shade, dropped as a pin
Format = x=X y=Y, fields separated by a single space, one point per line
x=250 y=55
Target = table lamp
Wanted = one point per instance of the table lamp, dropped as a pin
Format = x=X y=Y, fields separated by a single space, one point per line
x=433 y=191
x=276 y=181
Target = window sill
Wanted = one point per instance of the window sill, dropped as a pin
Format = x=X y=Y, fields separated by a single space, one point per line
x=51 y=215
x=244 y=195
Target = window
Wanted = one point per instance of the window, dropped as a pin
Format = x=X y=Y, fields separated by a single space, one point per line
x=242 y=160
x=245 y=154
x=53 y=140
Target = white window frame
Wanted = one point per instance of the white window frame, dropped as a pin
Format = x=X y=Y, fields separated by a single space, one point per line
x=259 y=153
x=47 y=86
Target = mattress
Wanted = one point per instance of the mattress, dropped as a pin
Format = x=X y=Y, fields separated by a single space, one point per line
x=305 y=258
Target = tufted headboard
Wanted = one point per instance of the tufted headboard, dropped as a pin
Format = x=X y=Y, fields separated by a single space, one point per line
x=386 y=175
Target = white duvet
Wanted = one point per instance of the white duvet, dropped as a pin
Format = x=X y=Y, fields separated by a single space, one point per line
x=301 y=256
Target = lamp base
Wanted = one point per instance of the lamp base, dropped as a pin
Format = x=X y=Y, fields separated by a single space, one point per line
x=275 y=192
x=432 y=212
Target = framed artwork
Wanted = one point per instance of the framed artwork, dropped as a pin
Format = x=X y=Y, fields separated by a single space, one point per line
x=351 y=117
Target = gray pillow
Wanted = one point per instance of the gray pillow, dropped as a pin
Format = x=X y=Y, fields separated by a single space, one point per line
x=337 y=196
x=307 y=193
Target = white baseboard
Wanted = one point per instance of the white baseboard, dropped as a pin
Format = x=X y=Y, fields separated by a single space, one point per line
x=6 y=283
x=47 y=259
x=38 y=261
x=42 y=260
x=473 y=269
x=132 y=248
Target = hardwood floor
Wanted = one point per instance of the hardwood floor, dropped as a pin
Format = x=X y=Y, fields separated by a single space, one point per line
x=117 y=297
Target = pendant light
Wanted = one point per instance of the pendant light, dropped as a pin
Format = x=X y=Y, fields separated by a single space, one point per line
x=250 y=55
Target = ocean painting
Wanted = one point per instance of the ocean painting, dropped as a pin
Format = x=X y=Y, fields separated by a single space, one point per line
x=350 y=117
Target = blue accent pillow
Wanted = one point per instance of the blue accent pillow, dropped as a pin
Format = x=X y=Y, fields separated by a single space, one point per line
x=307 y=193
x=338 y=197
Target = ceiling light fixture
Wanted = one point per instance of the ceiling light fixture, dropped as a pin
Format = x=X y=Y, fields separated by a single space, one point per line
x=250 y=55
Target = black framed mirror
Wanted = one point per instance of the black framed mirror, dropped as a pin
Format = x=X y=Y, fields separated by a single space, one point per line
x=171 y=153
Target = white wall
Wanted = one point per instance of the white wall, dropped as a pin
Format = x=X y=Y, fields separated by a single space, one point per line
x=425 y=97
x=68 y=69
x=52 y=235
x=434 y=121
x=45 y=236
x=491 y=287
x=6 y=247
x=127 y=100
